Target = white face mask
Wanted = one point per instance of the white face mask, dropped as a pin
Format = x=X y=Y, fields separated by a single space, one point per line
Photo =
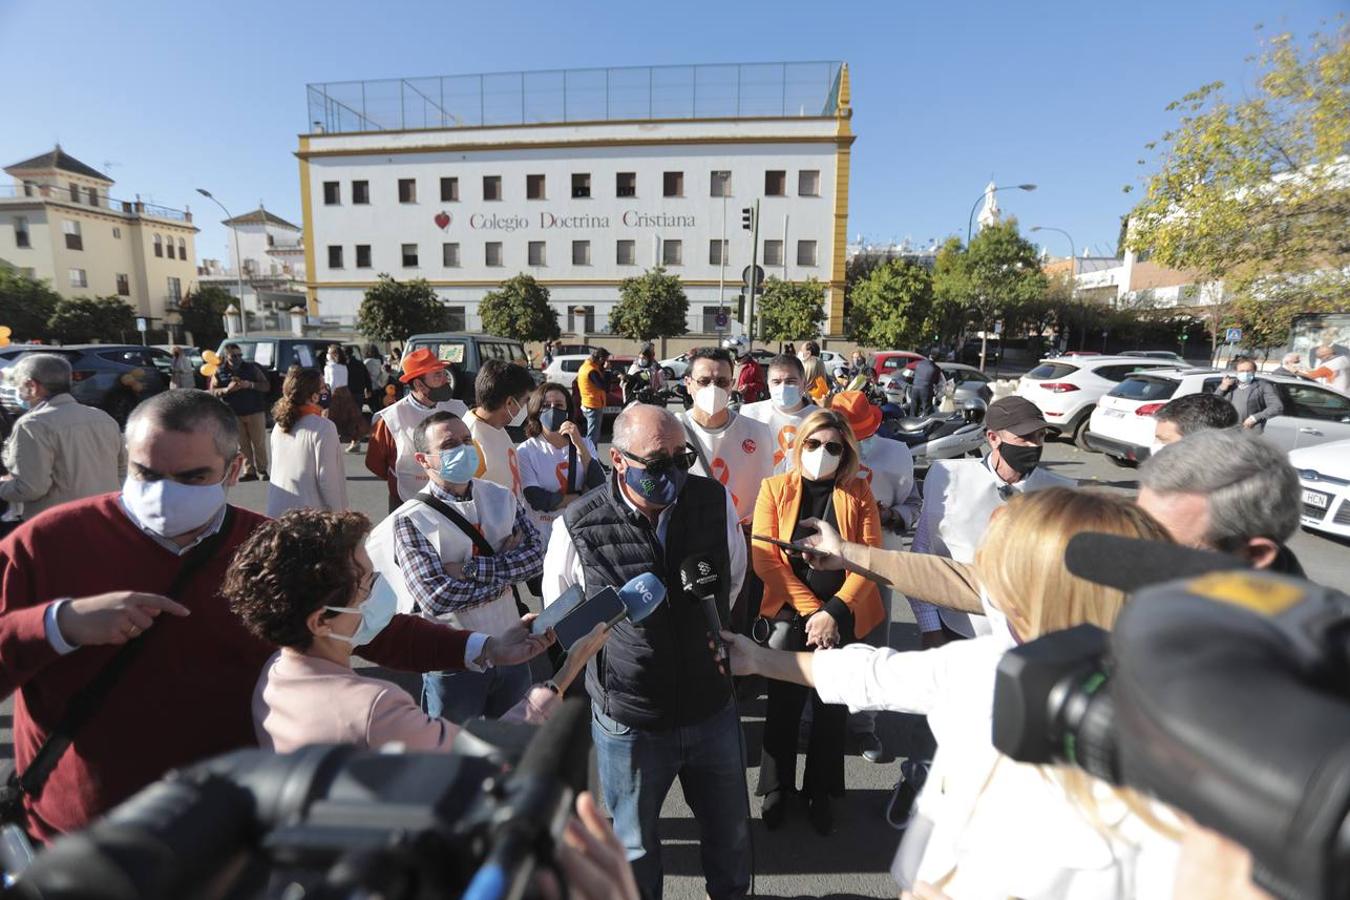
x=711 y=400
x=786 y=396
x=376 y=612
x=998 y=622
x=168 y=508
x=818 y=464
x=519 y=418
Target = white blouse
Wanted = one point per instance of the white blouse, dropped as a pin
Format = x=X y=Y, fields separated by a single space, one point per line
x=334 y=375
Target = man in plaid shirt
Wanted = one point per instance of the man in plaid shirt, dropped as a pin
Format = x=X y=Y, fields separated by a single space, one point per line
x=448 y=573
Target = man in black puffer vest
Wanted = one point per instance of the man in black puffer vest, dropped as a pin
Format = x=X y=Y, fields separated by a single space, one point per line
x=661 y=709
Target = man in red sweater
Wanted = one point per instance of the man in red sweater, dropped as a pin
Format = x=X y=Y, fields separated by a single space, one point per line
x=186 y=696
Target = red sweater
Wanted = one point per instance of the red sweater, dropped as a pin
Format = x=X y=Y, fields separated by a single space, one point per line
x=187 y=695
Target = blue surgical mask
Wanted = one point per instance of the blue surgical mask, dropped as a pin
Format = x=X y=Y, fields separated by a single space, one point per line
x=459 y=465
x=1245 y=377
x=658 y=490
x=552 y=419
x=375 y=613
x=786 y=396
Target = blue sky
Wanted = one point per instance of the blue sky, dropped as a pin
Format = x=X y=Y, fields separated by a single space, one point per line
x=178 y=95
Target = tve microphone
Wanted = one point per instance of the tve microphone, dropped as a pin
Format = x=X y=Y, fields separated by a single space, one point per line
x=642 y=595
x=700 y=581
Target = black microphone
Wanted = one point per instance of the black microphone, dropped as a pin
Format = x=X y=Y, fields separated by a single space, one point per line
x=701 y=580
x=1129 y=564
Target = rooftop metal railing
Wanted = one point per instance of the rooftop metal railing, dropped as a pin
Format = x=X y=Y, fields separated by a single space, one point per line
x=61 y=194
x=735 y=90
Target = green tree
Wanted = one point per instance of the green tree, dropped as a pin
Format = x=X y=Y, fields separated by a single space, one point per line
x=77 y=320
x=891 y=306
x=394 y=310
x=951 y=291
x=203 y=313
x=791 y=311
x=651 y=305
x=1252 y=187
x=26 y=305
x=520 y=309
x=997 y=277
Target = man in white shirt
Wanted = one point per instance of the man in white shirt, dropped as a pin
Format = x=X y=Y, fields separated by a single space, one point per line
x=502 y=390
x=959 y=496
x=784 y=410
x=1333 y=368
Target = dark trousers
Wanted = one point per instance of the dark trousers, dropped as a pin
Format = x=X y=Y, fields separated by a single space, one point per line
x=824 y=753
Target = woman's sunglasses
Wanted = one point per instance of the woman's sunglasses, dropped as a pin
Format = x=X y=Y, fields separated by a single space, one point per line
x=834 y=448
x=659 y=465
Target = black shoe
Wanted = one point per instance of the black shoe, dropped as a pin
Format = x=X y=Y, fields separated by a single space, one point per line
x=774 y=810
x=249 y=477
x=820 y=815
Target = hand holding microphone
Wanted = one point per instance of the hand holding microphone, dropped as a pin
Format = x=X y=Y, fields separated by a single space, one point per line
x=700 y=581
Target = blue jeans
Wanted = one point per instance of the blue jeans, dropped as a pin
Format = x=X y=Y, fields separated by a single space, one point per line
x=594 y=419
x=637 y=769
x=461 y=696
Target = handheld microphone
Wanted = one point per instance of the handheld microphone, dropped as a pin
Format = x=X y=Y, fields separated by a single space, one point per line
x=642 y=595
x=700 y=581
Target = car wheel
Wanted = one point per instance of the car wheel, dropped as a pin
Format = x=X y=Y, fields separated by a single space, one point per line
x=119 y=406
x=1080 y=432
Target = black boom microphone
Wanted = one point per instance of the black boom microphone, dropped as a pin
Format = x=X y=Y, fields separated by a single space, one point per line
x=701 y=580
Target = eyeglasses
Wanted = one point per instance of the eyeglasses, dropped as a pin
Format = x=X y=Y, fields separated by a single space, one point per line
x=659 y=465
x=723 y=382
x=834 y=448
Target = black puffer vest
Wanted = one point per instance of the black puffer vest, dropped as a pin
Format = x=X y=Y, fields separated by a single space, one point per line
x=659 y=674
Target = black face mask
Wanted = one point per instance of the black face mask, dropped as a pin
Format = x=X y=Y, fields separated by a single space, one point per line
x=1022 y=460
x=439 y=394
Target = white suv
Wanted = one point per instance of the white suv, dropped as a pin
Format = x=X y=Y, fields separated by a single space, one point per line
x=1066 y=389
x=1122 y=425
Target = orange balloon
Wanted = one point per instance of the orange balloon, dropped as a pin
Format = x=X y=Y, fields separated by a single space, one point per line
x=211 y=357
x=208 y=369
x=390 y=390
x=6 y=331
x=4 y=342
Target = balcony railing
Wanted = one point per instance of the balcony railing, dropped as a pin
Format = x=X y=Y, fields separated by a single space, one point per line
x=61 y=194
x=737 y=90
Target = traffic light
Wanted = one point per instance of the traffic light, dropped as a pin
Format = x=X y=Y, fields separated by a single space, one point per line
x=748 y=218
x=740 y=307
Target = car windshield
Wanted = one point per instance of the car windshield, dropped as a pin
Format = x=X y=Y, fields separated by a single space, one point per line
x=1144 y=388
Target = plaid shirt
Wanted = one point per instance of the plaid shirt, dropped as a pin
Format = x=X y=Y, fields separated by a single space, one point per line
x=485 y=577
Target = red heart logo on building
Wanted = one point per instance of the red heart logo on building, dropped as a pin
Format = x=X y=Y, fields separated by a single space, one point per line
x=442 y=220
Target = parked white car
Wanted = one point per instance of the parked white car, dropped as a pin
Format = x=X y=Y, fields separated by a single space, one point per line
x=1123 y=423
x=563 y=370
x=1066 y=389
x=1324 y=472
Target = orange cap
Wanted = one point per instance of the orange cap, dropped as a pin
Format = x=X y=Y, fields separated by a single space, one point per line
x=863 y=417
x=419 y=363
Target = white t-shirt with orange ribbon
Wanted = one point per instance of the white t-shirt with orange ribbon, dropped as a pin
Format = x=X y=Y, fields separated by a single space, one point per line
x=740 y=454
x=543 y=465
x=498 y=453
x=782 y=426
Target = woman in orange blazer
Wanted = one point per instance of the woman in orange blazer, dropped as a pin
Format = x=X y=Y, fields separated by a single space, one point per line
x=814 y=609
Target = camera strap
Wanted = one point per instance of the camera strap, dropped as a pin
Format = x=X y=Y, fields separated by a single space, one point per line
x=473 y=534
x=90 y=699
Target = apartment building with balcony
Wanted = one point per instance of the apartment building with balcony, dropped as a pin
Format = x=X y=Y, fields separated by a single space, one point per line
x=271 y=252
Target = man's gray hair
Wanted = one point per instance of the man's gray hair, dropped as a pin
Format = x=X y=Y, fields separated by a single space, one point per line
x=1293 y=357
x=640 y=416
x=50 y=371
x=1253 y=491
x=186 y=411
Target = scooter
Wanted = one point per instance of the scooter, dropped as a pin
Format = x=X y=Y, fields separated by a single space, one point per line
x=937 y=435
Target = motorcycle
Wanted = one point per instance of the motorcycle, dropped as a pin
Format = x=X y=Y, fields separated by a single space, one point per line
x=937 y=435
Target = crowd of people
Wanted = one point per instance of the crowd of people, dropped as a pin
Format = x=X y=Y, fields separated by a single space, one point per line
x=223 y=628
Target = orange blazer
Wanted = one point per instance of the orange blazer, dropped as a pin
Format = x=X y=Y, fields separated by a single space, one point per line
x=776 y=509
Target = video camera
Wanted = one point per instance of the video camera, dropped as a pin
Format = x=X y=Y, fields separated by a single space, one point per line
x=1225 y=694
x=334 y=821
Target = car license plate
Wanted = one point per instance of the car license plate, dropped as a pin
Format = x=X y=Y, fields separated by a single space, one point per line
x=1113 y=413
x=1316 y=498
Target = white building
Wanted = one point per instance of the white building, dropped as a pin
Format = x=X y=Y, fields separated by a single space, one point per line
x=579 y=178
x=272 y=254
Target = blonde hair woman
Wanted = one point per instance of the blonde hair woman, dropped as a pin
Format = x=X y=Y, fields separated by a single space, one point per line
x=987 y=826
x=810 y=608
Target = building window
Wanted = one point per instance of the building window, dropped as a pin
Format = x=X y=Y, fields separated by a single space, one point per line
x=806 y=253
x=449 y=190
x=625 y=184
x=407 y=190
x=710 y=319
x=581 y=185
x=332 y=193
x=536 y=254
x=117 y=233
x=28 y=188
x=672 y=253
x=360 y=192
x=492 y=187
x=21 y=237
x=717 y=253
x=673 y=184
x=450 y=256
x=363 y=256
x=409 y=256
x=78 y=278
x=775 y=183
x=74 y=240
x=271 y=240
x=808 y=183
x=492 y=253
x=586 y=321
x=91 y=194
x=457 y=318
x=335 y=256
x=720 y=184
x=534 y=188
x=74 y=192
x=123 y=285
x=159 y=246
x=773 y=253
x=625 y=253
x=175 y=291
x=581 y=253
x=182 y=249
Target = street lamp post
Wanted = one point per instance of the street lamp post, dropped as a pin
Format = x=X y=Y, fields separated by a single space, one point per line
x=970 y=221
x=1073 y=260
x=238 y=262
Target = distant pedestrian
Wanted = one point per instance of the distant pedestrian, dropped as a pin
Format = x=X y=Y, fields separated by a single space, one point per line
x=244 y=388
x=593 y=384
x=1333 y=368
x=342 y=408
x=182 y=374
x=1290 y=363
x=307 y=470
x=1256 y=401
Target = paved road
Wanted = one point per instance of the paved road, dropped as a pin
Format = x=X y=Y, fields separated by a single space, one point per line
x=795 y=862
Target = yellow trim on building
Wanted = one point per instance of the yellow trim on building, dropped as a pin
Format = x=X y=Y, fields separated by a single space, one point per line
x=307 y=228
x=845 y=137
x=844 y=141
